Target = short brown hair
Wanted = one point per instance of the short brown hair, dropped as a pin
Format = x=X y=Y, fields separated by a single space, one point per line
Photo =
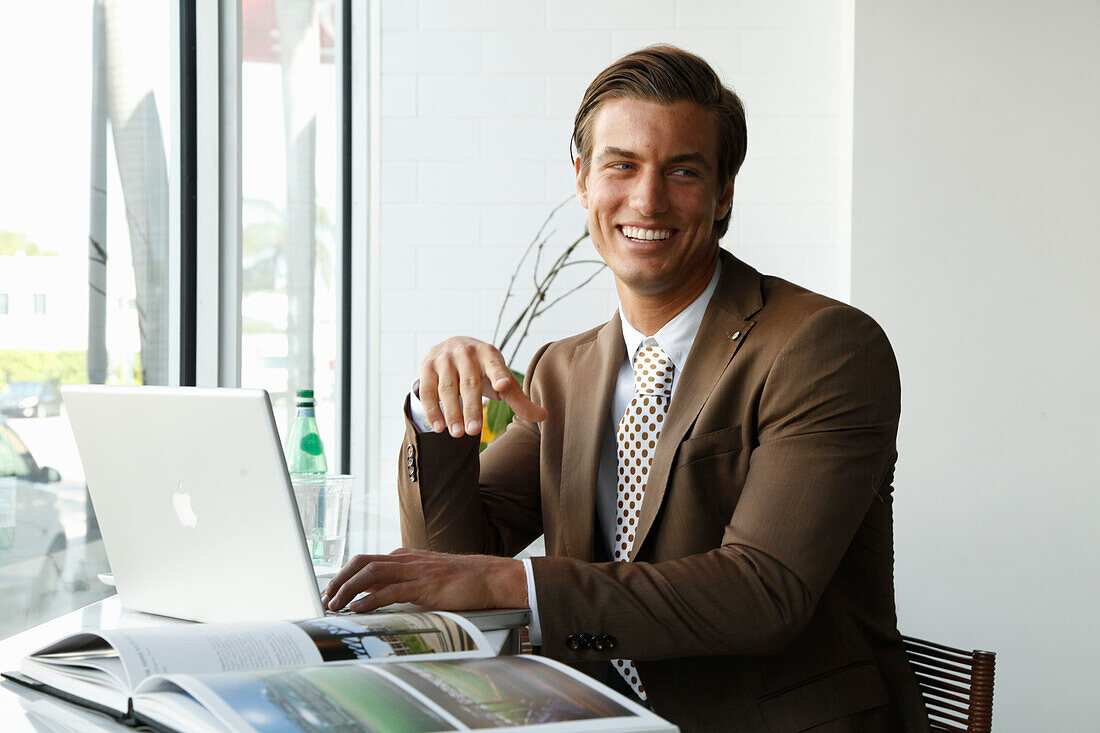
x=666 y=74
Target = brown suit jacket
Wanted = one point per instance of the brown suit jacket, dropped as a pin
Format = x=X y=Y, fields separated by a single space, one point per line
x=760 y=596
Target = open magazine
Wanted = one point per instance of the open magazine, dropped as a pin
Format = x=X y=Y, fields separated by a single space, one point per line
x=370 y=672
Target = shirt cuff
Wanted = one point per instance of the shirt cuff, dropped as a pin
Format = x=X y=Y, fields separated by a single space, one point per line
x=417 y=414
x=534 y=631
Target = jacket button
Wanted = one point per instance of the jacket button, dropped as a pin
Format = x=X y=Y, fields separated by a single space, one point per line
x=573 y=642
x=609 y=641
x=597 y=642
x=586 y=641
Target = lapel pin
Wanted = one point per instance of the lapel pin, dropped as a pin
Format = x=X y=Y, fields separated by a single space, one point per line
x=735 y=335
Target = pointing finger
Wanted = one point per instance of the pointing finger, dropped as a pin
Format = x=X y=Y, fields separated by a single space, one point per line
x=522 y=405
x=500 y=376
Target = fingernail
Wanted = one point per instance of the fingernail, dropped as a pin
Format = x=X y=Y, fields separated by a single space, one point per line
x=324 y=599
x=456 y=428
x=438 y=426
x=473 y=426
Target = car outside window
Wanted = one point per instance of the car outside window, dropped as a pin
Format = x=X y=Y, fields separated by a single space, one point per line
x=13 y=453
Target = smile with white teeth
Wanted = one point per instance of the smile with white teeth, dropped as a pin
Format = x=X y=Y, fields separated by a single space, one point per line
x=638 y=234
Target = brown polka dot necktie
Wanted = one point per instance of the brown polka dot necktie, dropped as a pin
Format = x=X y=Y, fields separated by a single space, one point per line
x=637 y=436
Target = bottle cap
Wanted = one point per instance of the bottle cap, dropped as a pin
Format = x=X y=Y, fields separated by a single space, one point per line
x=305 y=393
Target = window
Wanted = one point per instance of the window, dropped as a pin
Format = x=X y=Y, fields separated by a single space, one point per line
x=86 y=295
x=90 y=287
x=290 y=171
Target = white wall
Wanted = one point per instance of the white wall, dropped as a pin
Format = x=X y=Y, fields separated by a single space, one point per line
x=975 y=243
x=477 y=103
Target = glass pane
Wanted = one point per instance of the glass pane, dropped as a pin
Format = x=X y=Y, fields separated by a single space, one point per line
x=290 y=173
x=83 y=270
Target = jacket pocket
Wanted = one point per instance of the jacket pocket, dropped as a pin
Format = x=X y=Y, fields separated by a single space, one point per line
x=710 y=468
x=828 y=696
x=709 y=445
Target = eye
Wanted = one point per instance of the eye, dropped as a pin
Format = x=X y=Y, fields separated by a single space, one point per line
x=686 y=172
x=621 y=166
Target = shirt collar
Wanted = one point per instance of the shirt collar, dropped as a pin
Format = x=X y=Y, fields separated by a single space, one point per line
x=676 y=336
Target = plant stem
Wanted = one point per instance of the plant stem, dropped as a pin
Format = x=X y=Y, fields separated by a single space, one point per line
x=534 y=307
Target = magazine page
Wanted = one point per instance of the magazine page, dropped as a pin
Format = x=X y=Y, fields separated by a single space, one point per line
x=531 y=692
x=89 y=650
x=125 y=657
x=344 y=696
x=502 y=693
x=84 y=666
x=388 y=637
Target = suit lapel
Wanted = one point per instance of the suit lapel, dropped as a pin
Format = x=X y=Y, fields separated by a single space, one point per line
x=591 y=386
x=724 y=328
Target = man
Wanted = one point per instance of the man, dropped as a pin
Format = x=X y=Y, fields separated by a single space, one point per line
x=711 y=468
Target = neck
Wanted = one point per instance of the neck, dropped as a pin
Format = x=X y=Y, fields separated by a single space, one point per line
x=650 y=312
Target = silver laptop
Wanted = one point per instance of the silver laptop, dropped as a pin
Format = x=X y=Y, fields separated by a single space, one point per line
x=194 y=502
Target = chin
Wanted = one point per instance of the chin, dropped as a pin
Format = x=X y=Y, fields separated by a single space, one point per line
x=645 y=281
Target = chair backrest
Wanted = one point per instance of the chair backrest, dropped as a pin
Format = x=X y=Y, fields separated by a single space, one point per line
x=957 y=685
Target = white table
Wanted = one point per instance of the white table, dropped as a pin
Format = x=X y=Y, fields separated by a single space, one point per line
x=18 y=704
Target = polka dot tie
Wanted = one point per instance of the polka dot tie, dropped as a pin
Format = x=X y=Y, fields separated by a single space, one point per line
x=637 y=436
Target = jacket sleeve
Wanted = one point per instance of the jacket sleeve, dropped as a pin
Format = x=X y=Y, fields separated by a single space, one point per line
x=827 y=420
x=455 y=500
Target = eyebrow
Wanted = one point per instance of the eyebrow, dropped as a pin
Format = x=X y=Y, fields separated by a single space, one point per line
x=612 y=152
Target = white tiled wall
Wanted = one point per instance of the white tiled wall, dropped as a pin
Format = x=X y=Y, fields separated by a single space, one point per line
x=478 y=98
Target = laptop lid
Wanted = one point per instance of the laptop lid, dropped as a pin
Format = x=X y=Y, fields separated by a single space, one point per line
x=194 y=502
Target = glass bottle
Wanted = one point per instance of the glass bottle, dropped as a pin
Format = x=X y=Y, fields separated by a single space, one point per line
x=305 y=453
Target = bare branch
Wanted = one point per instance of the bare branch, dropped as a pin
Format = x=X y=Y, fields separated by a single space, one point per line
x=572 y=290
x=519 y=265
x=537 y=305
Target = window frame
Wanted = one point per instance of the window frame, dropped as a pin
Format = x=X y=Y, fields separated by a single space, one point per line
x=208 y=237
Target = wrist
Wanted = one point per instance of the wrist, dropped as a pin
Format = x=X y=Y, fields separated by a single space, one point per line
x=510 y=584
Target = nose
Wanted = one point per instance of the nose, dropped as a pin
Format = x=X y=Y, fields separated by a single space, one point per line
x=650 y=194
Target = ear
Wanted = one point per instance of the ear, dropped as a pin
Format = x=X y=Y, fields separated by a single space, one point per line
x=582 y=192
x=725 y=200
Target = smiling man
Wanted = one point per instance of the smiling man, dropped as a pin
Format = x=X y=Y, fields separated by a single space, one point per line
x=711 y=468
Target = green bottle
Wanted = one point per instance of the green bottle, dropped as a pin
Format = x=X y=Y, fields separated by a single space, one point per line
x=305 y=453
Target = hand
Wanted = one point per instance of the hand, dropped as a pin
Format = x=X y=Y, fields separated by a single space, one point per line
x=431 y=579
x=456 y=373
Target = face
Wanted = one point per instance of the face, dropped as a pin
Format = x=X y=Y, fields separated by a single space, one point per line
x=653 y=196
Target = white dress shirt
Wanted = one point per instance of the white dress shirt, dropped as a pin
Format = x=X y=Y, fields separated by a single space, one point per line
x=676 y=338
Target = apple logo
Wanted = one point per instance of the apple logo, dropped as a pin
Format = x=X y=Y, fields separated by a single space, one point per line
x=181 y=502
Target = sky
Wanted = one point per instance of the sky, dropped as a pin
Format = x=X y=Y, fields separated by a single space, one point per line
x=45 y=123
